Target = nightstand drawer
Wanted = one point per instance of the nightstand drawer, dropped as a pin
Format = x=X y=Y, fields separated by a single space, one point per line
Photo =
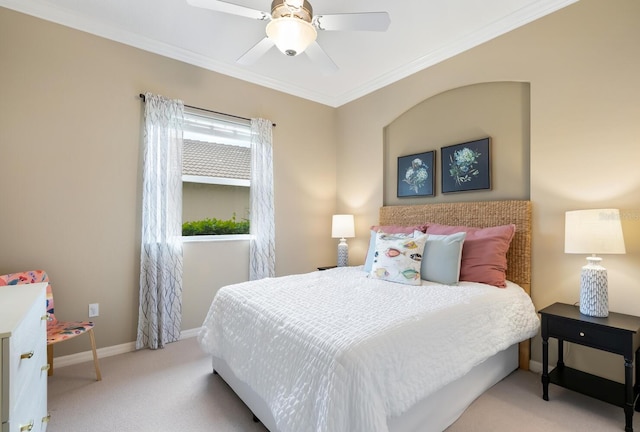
x=589 y=335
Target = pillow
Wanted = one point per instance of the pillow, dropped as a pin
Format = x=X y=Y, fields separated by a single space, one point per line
x=370 y=252
x=441 y=258
x=484 y=252
x=399 y=229
x=397 y=258
x=389 y=229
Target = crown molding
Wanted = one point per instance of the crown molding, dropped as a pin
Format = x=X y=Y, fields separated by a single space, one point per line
x=511 y=22
x=63 y=17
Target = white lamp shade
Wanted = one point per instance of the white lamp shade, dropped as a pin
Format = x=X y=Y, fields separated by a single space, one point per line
x=597 y=231
x=342 y=226
x=291 y=35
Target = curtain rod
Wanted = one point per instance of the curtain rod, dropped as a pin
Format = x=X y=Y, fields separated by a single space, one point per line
x=211 y=111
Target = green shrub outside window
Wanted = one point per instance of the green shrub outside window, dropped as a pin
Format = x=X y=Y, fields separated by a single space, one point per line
x=215 y=227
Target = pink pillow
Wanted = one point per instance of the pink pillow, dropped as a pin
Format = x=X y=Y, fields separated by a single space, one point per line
x=484 y=252
x=399 y=229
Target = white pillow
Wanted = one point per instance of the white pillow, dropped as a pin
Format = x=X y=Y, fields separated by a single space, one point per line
x=368 y=262
x=441 y=258
x=397 y=258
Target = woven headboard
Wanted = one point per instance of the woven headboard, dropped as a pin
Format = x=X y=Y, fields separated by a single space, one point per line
x=481 y=214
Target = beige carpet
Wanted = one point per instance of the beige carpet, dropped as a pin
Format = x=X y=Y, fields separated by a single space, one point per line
x=174 y=390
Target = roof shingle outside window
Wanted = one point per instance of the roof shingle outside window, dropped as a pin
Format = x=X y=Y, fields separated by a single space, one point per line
x=205 y=159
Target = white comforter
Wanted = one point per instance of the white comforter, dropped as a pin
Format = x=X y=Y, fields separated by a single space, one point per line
x=334 y=351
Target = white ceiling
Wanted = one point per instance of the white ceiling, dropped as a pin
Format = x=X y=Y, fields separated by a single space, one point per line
x=421 y=34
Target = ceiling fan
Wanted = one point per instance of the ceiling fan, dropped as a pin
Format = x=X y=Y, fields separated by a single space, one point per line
x=293 y=28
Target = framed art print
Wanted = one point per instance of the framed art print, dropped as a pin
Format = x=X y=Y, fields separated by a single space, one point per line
x=466 y=166
x=415 y=174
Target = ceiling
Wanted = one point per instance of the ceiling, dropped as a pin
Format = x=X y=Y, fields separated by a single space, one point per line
x=421 y=34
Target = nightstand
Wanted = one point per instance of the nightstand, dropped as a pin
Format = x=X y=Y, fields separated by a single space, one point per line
x=326 y=267
x=617 y=333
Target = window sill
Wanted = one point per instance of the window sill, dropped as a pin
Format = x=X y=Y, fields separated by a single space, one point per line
x=216 y=238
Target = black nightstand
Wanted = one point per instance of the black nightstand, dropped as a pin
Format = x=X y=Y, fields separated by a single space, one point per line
x=617 y=333
x=326 y=267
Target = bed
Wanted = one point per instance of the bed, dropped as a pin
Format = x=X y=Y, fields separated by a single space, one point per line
x=339 y=350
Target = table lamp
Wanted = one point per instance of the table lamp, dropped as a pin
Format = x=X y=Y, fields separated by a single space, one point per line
x=342 y=227
x=597 y=231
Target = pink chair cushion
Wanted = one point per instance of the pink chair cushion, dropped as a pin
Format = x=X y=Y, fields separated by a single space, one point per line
x=66 y=330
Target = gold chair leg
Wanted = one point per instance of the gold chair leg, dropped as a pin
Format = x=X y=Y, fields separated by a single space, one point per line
x=50 y=359
x=95 y=355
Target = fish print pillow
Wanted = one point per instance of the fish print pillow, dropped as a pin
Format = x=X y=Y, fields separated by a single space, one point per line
x=397 y=257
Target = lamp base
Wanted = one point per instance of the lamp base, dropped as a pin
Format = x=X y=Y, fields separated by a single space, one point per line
x=343 y=253
x=594 y=296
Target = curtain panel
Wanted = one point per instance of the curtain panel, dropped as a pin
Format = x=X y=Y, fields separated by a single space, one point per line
x=262 y=259
x=160 y=310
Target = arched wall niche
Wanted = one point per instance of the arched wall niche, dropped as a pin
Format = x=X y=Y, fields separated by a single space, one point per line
x=499 y=110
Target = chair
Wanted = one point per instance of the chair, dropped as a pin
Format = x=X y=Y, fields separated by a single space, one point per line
x=57 y=331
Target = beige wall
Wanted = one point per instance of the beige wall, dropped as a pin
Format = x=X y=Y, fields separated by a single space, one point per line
x=70 y=141
x=498 y=110
x=70 y=134
x=582 y=64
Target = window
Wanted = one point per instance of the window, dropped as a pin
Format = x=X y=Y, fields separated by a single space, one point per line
x=216 y=168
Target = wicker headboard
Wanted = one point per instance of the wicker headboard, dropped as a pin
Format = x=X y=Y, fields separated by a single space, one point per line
x=479 y=214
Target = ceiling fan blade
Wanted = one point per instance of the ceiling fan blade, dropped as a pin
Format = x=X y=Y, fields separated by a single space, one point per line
x=230 y=8
x=321 y=58
x=366 y=21
x=257 y=51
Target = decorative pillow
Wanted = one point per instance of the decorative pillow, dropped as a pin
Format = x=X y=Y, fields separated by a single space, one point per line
x=441 y=258
x=399 y=229
x=370 y=252
x=484 y=252
x=389 y=229
x=397 y=258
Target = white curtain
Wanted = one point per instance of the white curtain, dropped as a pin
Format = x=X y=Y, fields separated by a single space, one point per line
x=160 y=312
x=262 y=260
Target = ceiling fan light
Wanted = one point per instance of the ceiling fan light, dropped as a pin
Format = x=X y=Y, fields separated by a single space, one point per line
x=291 y=35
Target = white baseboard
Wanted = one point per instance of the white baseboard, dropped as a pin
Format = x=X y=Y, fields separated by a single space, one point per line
x=535 y=366
x=86 y=356
x=186 y=334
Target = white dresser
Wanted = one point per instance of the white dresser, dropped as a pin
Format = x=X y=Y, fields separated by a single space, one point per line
x=23 y=358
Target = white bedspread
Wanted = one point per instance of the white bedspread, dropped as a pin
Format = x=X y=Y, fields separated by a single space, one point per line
x=333 y=351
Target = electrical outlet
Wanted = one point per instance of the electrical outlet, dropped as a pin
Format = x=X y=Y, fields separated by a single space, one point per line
x=94 y=310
